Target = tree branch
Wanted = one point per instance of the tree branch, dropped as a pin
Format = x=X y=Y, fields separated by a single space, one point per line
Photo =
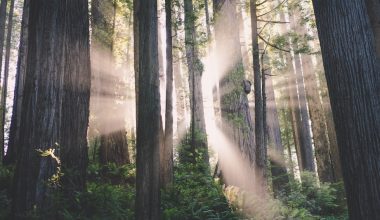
x=273 y=45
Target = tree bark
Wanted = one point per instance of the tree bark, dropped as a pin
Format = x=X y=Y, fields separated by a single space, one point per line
x=4 y=88
x=3 y=17
x=14 y=133
x=195 y=69
x=55 y=106
x=352 y=73
x=261 y=151
x=166 y=162
x=149 y=114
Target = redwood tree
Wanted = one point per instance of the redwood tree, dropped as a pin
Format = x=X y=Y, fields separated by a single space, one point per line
x=149 y=113
x=353 y=78
x=55 y=106
x=14 y=132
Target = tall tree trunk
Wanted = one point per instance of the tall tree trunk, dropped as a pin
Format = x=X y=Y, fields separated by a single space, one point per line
x=136 y=55
x=166 y=161
x=55 y=104
x=180 y=91
x=261 y=153
x=373 y=10
x=4 y=88
x=307 y=146
x=3 y=17
x=14 y=133
x=149 y=114
x=195 y=69
x=207 y=14
x=298 y=104
x=243 y=41
x=233 y=89
x=352 y=73
x=318 y=122
x=279 y=174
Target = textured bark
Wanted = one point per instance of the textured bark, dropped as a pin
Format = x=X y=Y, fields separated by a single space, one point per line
x=373 y=10
x=149 y=114
x=195 y=69
x=353 y=79
x=279 y=174
x=261 y=151
x=113 y=146
x=55 y=106
x=3 y=17
x=318 y=122
x=4 y=87
x=166 y=160
x=14 y=133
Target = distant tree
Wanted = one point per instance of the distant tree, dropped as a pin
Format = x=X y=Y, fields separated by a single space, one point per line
x=233 y=88
x=149 y=113
x=55 y=105
x=195 y=70
x=352 y=73
x=4 y=87
x=278 y=168
x=318 y=122
x=14 y=133
x=306 y=147
x=166 y=160
x=3 y=17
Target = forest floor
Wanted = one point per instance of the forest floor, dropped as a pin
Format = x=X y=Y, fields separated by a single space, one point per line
x=110 y=194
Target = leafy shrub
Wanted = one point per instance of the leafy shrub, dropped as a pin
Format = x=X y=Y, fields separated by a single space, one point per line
x=310 y=200
x=6 y=176
x=195 y=195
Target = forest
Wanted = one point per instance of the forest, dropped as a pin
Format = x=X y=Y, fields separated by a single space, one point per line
x=190 y=109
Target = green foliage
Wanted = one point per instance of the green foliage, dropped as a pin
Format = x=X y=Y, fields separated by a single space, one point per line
x=310 y=200
x=195 y=195
x=101 y=201
x=110 y=194
x=6 y=175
